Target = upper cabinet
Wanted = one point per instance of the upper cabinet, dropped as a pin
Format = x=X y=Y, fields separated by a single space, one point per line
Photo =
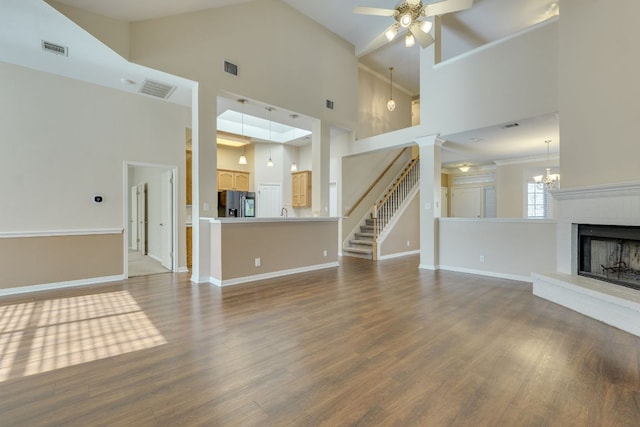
x=233 y=180
x=301 y=189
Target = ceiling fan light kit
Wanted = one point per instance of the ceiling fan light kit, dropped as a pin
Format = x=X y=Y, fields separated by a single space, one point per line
x=409 y=16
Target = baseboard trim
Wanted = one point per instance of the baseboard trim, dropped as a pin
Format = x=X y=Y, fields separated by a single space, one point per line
x=398 y=255
x=199 y=280
x=497 y=275
x=60 y=285
x=428 y=267
x=183 y=270
x=274 y=274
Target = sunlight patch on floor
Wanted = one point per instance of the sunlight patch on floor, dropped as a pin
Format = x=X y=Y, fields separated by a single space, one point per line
x=37 y=337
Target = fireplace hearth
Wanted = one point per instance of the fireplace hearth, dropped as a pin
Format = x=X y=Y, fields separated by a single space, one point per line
x=610 y=253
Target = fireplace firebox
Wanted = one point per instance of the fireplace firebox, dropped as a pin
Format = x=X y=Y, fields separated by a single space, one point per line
x=610 y=253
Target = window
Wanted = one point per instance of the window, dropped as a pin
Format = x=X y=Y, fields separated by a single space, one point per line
x=536 y=201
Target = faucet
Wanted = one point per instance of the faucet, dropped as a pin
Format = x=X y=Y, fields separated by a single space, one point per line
x=284 y=213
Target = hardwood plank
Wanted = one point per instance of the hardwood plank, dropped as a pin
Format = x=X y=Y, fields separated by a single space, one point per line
x=364 y=344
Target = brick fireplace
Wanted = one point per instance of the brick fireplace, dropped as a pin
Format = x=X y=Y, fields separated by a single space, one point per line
x=598 y=254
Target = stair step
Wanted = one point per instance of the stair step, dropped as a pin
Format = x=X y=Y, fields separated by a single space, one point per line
x=361 y=242
x=364 y=236
x=358 y=251
x=366 y=229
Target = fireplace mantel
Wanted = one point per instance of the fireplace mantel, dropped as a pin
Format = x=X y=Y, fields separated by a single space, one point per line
x=608 y=204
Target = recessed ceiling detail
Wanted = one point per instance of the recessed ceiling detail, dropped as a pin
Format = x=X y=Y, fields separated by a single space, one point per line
x=258 y=128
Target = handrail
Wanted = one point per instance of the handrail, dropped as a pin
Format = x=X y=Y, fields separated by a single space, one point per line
x=383 y=211
x=398 y=182
x=366 y=193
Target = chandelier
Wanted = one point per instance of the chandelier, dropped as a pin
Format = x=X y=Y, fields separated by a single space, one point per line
x=548 y=180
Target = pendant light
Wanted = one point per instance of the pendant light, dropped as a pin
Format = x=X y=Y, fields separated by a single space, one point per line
x=243 y=158
x=270 y=162
x=391 y=104
x=548 y=180
x=294 y=168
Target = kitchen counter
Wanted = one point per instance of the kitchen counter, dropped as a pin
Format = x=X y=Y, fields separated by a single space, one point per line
x=249 y=249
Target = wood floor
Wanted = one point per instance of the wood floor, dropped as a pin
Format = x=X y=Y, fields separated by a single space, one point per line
x=365 y=344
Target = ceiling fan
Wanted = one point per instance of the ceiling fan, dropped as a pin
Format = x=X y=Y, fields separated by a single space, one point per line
x=408 y=14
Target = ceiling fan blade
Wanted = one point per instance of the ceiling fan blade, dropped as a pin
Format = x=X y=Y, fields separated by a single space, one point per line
x=446 y=6
x=381 y=39
x=363 y=10
x=425 y=39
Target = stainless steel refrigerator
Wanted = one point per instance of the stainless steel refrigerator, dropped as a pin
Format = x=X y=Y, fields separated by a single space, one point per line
x=236 y=204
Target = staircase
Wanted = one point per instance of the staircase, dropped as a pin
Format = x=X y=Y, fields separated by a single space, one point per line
x=363 y=244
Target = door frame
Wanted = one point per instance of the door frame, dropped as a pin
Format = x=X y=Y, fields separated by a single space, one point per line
x=126 y=206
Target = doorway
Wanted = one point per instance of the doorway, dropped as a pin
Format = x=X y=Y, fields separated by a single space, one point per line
x=151 y=219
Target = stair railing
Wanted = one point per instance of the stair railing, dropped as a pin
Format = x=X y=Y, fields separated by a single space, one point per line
x=375 y=182
x=383 y=211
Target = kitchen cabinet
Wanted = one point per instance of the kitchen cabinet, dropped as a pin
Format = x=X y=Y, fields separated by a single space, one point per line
x=233 y=180
x=301 y=189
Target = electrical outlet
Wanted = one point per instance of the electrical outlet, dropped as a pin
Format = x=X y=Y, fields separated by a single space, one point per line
x=324 y=253
x=481 y=258
x=258 y=262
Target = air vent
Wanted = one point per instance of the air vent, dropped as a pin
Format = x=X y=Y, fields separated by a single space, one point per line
x=230 y=68
x=157 y=89
x=511 y=125
x=329 y=104
x=55 y=48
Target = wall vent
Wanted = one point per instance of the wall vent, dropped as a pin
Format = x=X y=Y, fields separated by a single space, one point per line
x=230 y=68
x=157 y=89
x=329 y=104
x=55 y=48
x=511 y=125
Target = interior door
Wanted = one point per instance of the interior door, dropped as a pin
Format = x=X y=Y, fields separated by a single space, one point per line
x=269 y=200
x=142 y=218
x=133 y=219
x=166 y=220
x=466 y=202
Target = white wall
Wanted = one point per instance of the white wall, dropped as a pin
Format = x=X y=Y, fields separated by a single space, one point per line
x=511 y=79
x=63 y=141
x=599 y=93
x=511 y=248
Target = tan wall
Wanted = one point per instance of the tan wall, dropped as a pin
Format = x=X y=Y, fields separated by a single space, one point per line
x=511 y=248
x=407 y=229
x=373 y=116
x=53 y=259
x=599 y=94
x=280 y=245
x=112 y=32
x=511 y=181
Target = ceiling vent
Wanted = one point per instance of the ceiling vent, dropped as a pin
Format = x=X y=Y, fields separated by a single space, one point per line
x=511 y=125
x=55 y=48
x=157 y=89
x=230 y=68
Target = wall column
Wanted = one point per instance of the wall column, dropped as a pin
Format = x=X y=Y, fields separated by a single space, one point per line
x=430 y=209
x=320 y=170
x=204 y=199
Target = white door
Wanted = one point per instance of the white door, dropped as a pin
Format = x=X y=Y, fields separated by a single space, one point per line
x=466 y=202
x=166 y=220
x=444 y=202
x=142 y=218
x=269 y=200
x=133 y=219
